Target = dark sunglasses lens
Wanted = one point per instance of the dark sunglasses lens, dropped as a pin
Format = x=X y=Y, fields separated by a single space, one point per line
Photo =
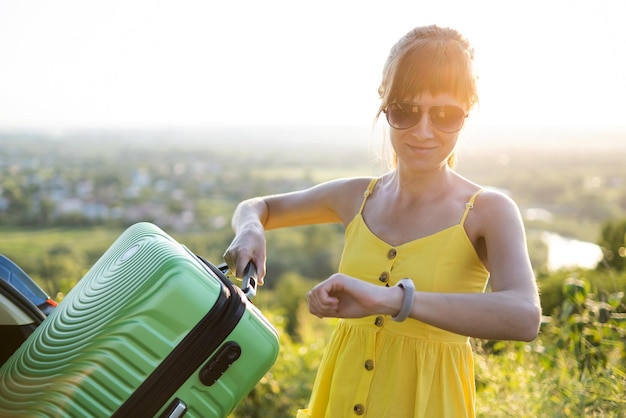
x=403 y=115
x=447 y=118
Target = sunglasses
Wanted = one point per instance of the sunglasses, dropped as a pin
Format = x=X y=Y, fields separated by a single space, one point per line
x=405 y=115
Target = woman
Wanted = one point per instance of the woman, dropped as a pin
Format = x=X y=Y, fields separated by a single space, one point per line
x=421 y=244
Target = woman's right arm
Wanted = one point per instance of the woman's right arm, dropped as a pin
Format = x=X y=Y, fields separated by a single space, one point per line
x=249 y=242
x=330 y=202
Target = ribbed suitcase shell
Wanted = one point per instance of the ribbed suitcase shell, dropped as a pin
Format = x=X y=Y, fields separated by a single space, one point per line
x=132 y=310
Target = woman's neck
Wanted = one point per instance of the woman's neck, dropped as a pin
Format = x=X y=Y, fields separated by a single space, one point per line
x=415 y=185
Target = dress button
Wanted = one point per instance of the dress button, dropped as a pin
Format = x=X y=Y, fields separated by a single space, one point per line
x=384 y=277
x=380 y=320
x=359 y=409
x=392 y=253
x=369 y=365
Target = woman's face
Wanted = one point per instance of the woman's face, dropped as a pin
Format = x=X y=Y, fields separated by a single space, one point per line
x=424 y=146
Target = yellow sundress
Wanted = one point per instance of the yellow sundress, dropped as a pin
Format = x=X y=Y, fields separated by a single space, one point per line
x=375 y=367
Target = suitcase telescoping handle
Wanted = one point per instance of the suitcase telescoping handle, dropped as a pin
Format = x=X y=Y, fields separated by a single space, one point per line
x=249 y=279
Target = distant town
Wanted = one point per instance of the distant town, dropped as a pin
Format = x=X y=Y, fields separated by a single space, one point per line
x=74 y=181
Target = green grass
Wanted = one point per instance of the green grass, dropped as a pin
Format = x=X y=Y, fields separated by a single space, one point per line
x=56 y=258
x=25 y=240
x=24 y=244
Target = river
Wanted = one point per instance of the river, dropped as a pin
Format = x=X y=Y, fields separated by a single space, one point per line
x=568 y=252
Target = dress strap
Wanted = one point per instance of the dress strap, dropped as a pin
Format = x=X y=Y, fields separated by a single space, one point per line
x=469 y=205
x=368 y=192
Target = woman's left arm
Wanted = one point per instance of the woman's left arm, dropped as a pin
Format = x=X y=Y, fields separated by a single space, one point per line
x=510 y=311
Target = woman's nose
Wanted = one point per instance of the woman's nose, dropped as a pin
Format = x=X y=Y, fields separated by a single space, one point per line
x=423 y=129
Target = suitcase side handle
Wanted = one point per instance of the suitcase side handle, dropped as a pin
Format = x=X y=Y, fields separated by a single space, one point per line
x=249 y=279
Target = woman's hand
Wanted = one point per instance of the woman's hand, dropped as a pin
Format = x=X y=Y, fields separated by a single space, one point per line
x=247 y=246
x=342 y=296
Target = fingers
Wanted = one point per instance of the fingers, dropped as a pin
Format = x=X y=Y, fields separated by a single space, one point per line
x=237 y=261
x=325 y=298
x=341 y=296
x=260 y=271
x=321 y=304
x=230 y=260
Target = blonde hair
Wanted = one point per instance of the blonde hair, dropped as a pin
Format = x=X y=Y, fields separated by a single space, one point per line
x=429 y=59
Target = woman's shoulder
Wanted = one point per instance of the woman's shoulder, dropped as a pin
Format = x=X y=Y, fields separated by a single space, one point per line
x=493 y=215
x=484 y=196
x=346 y=194
x=495 y=208
x=349 y=184
x=495 y=199
x=347 y=189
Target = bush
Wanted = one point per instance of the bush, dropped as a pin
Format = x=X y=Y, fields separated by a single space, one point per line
x=576 y=368
x=602 y=282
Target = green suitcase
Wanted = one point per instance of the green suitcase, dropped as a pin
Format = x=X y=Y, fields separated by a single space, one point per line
x=150 y=330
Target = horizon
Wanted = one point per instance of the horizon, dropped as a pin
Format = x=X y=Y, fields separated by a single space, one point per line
x=357 y=137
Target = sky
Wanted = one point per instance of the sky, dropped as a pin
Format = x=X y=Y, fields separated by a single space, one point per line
x=68 y=64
